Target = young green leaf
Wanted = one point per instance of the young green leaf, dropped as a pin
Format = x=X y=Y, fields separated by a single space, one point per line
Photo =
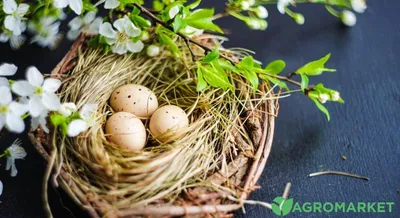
x=315 y=68
x=193 y=5
x=322 y=108
x=205 y=24
x=178 y=24
x=304 y=81
x=217 y=79
x=201 y=14
x=201 y=83
x=158 y=5
x=252 y=77
x=211 y=56
x=166 y=40
x=275 y=67
x=228 y=66
x=247 y=62
x=275 y=81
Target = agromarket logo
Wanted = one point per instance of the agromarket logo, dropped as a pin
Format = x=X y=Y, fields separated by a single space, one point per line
x=283 y=207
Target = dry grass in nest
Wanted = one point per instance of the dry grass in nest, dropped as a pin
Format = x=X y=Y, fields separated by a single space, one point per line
x=162 y=173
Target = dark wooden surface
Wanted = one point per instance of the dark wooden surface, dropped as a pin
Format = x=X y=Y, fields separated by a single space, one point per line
x=365 y=129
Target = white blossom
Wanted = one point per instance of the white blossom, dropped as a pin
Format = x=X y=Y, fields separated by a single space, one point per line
x=335 y=96
x=191 y=31
x=358 y=5
x=121 y=40
x=153 y=50
x=323 y=98
x=14 y=152
x=46 y=32
x=15 y=41
x=173 y=11
x=40 y=120
x=67 y=109
x=244 y=5
x=11 y=112
x=88 y=24
x=251 y=2
x=282 y=4
x=75 y=5
x=87 y=115
x=261 y=12
x=41 y=92
x=1 y=188
x=7 y=70
x=15 y=14
x=256 y=24
x=348 y=18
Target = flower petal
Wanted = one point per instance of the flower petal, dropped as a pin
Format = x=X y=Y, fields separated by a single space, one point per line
x=119 y=48
x=76 y=127
x=14 y=170
x=51 y=85
x=76 y=23
x=60 y=3
x=4 y=82
x=76 y=6
x=17 y=41
x=89 y=17
x=135 y=47
x=8 y=69
x=131 y=30
x=67 y=109
x=15 y=123
x=73 y=34
x=88 y=111
x=22 y=88
x=22 y=9
x=94 y=26
x=36 y=106
x=18 y=108
x=4 y=37
x=9 y=6
x=111 y=4
x=13 y=24
x=173 y=11
x=107 y=30
x=51 y=101
x=10 y=161
x=1 y=188
x=35 y=78
x=121 y=23
x=5 y=95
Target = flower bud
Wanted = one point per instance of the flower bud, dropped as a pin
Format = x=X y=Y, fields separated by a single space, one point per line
x=153 y=51
x=261 y=12
x=67 y=109
x=256 y=24
x=244 y=5
x=323 y=98
x=144 y=36
x=173 y=12
x=358 y=5
x=298 y=18
x=335 y=96
x=348 y=18
x=251 y=2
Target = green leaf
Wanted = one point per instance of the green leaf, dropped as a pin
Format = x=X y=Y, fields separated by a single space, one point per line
x=275 y=67
x=217 y=79
x=158 y=5
x=57 y=119
x=211 y=56
x=322 y=108
x=64 y=128
x=315 y=68
x=205 y=24
x=228 y=66
x=193 y=5
x=166 y=40
x=276 y=209
x=201 y=83
x=304 y=81
x=252 y=77
x=201 y=13
x=140 y=21
x=275 y=81
x=178 y=24
x=247 y=62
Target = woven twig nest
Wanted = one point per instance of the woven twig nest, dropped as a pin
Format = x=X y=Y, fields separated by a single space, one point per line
x=211 y=169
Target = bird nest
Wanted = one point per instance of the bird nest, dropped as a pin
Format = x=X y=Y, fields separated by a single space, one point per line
x=211 y=169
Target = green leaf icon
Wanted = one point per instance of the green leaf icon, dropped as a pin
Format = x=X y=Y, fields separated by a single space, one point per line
x=282 y=207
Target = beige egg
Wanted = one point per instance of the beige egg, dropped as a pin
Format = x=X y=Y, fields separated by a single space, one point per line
x=171 y=119
x=136 y=99
x=126 y=131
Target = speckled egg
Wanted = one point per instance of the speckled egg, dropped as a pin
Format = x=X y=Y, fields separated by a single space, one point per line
x=169 y=118
x=126 y=131
x=135 y=99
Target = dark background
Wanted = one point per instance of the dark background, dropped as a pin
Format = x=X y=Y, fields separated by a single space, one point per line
x=365 y=129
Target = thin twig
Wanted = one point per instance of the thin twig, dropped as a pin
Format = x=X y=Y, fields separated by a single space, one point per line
x=339 y=173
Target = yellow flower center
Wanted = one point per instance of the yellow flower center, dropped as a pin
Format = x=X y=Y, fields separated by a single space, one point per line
x=122 y=37
x=39 y=91
x=3 y=109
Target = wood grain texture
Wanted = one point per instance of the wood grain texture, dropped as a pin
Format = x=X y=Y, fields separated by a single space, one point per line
x=365 y=129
